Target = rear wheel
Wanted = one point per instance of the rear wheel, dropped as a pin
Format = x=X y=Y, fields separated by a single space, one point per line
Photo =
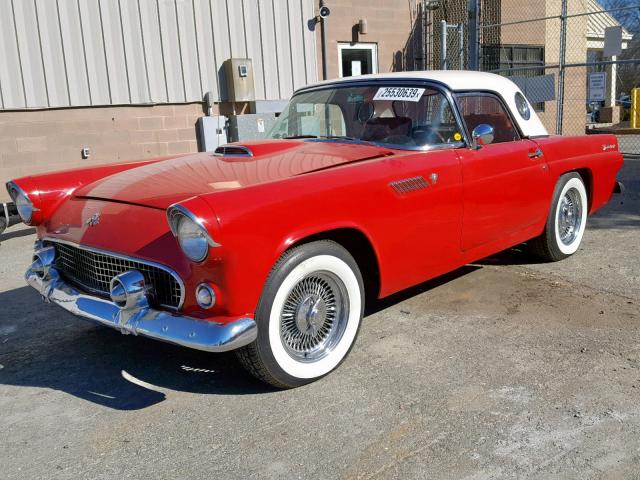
x=308 y=315
x=566 y=222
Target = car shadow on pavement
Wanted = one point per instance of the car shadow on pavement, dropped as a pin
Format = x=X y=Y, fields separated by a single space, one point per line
x=16 y=233
x=379 y=305
x=44 y=346
x=518 y=255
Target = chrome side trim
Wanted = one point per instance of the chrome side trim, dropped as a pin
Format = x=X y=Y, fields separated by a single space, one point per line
x=166 y=326
x=169 y=270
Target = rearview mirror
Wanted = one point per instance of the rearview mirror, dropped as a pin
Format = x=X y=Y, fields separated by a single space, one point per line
x=482 y=135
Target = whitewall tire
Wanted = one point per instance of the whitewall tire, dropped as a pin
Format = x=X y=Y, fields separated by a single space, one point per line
x=567 y=220
x=308 y=316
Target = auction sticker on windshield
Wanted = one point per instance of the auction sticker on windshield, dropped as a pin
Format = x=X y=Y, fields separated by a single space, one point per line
x=407 y=94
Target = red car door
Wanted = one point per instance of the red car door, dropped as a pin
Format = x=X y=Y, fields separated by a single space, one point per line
x=419 y=216
x=504 y=183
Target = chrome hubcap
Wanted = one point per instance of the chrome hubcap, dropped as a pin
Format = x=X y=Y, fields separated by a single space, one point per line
x=314 y=316
x=570 y=216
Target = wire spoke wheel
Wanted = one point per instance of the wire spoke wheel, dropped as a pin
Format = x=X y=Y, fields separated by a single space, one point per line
x=569 y=216
x=314 y=316
x=308 y=316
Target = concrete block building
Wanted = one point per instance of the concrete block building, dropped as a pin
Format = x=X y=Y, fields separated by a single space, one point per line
x=84 y=82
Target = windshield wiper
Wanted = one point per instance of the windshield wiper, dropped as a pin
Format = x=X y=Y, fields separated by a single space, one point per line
x=330 y=137
x=347 y=139
x=340 y=137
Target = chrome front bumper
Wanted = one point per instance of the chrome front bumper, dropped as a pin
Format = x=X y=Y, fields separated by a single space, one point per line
x=143 y=320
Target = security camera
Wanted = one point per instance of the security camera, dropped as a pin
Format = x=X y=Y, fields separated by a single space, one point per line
x=324 y=12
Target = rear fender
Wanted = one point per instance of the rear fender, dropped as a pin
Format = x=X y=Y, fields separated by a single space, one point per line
x=595 y=157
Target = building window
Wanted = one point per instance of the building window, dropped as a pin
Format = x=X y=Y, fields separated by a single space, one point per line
x=357 y=59
x=515 y=61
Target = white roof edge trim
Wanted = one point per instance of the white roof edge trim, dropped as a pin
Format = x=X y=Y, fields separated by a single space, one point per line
x=459 y=81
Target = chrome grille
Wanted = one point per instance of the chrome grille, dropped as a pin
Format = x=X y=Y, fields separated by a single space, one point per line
x=93 y=270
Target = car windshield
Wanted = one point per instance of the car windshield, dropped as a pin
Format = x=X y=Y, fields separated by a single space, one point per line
x=386 y=114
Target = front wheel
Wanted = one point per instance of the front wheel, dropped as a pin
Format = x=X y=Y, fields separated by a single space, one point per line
x=566 y=222
x=308 y=315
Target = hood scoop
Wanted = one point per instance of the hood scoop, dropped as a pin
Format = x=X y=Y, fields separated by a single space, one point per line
x=233 y=151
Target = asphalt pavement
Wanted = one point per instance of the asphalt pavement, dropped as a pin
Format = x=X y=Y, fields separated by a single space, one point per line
x=508 y=368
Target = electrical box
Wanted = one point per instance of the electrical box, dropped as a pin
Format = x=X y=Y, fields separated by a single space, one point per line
x=250 y=126
x=268 y=106
x=212 y=132
x=238 y=73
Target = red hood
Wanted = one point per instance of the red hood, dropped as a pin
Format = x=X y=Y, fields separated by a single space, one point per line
x=163 y=183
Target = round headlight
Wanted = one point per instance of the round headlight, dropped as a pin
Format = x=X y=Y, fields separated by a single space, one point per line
x=24 y=206
x=192 y=238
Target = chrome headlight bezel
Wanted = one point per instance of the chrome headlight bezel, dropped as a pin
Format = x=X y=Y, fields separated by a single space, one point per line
x=180 y=218
x=22 y=202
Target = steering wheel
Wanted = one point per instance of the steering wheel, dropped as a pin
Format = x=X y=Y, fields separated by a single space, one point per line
x=398 y=140
x=427 y=132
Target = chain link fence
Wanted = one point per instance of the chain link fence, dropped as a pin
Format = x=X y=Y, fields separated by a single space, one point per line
x=553 y=49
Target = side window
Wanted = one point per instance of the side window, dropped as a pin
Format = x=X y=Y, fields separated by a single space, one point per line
x=483 y=108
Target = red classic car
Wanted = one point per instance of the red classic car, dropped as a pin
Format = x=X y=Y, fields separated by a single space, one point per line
x=367 y=186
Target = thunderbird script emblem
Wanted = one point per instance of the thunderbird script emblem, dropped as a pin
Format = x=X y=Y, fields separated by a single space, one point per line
x=93 y=220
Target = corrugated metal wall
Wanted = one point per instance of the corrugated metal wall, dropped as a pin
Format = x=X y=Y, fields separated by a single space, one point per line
x=60 y=53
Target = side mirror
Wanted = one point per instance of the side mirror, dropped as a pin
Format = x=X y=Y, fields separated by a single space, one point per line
x=482 y=135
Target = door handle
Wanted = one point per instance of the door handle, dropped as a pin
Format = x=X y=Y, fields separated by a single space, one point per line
x=535 y=154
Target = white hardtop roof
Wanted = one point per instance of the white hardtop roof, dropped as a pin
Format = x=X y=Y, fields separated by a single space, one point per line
x=461 y=80
x=454 y=79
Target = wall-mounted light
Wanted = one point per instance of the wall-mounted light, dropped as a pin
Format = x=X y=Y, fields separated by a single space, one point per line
x=362 y=26
x=432 y=4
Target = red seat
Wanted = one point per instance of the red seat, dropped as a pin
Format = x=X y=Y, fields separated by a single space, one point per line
x=383 y=127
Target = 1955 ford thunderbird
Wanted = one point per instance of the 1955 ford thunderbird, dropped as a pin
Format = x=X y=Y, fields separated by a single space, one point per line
x=367 y=186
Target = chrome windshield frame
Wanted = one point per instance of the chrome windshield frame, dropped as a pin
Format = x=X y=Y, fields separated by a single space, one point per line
x=364 y=82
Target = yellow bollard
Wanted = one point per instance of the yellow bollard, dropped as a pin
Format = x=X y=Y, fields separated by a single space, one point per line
x=635 y=108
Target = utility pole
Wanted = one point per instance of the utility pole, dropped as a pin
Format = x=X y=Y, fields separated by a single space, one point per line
x=473 y=35
x=323 y=36
x=561 y=62
x=443 y=45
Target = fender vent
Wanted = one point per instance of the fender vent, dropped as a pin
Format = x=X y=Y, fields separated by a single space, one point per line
x=409 y=185
x=233 y=151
